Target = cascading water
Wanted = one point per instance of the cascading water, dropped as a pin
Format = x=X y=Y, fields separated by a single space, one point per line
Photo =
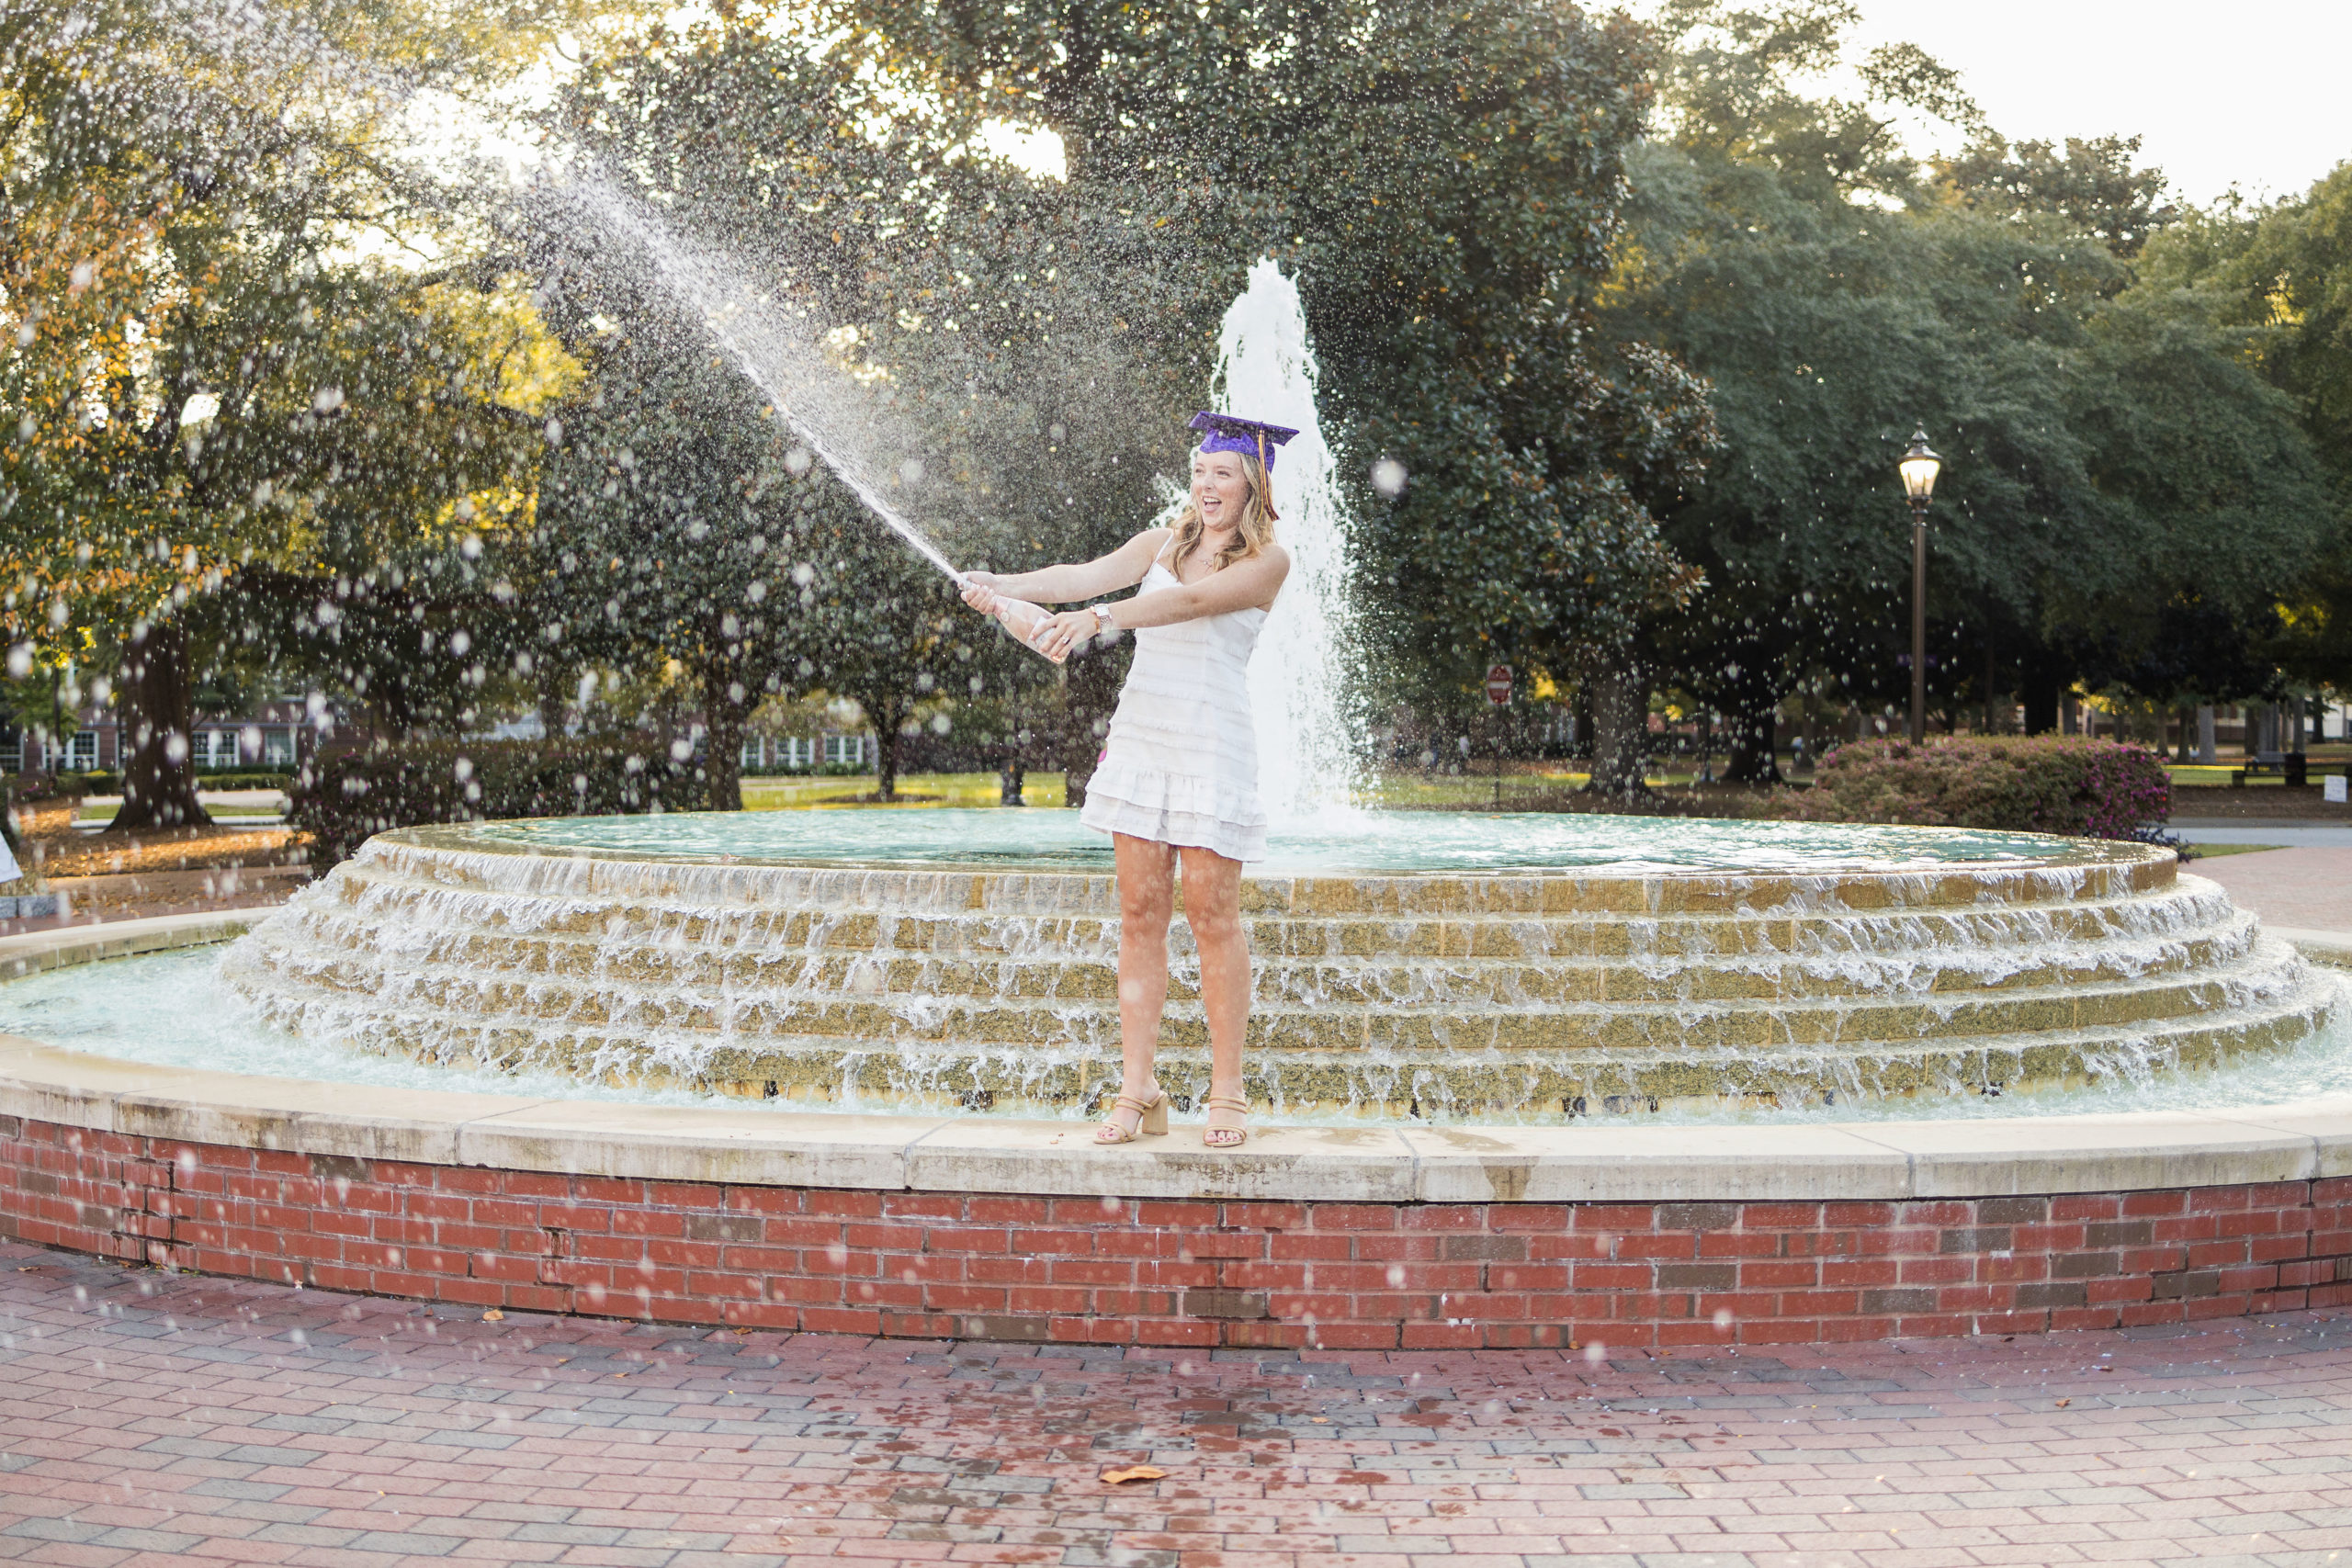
x=1624 y=964
x=1308 y=760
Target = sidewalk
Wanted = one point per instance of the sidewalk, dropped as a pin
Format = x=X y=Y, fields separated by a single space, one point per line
x=2308 y=887
x=155 y=1421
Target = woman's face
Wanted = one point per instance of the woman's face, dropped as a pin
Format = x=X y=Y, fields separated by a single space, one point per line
x=1219 y=488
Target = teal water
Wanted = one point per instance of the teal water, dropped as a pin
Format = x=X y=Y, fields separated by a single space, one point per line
x=1340 y=841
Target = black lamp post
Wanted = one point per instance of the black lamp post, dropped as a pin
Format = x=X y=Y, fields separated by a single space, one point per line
x=1919 y=468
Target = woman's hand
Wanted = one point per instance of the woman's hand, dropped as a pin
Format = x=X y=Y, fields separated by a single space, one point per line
x=1056 y=635
x=981 y=591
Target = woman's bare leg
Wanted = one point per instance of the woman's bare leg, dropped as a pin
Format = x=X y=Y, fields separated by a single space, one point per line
x=1213 y=908
x=1146 y=894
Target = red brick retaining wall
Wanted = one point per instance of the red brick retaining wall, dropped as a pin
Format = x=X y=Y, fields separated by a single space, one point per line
x=1341 y=1275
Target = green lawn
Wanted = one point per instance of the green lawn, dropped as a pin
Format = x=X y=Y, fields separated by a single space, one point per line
x=921 y=789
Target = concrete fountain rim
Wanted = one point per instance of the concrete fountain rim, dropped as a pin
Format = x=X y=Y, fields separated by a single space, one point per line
x=1856 y=1161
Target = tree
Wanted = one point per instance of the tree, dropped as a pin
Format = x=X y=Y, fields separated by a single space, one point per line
x=1444 y=185
x=947 y=322
x=2278 y=279
x=2106 y=452
x=199 y=377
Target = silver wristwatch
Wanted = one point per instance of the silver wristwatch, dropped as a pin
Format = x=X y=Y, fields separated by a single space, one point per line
x=1102 y=621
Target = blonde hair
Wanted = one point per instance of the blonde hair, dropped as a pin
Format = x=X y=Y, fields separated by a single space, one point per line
x=1250 y=537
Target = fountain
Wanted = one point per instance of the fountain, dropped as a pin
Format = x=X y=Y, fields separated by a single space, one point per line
x=1460 y=968
x=1299 y=679
x=1418 y=966
x=724 y=1068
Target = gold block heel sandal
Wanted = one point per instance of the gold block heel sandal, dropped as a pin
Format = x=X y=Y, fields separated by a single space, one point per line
x=1151 y=1119
x=1226 y=1136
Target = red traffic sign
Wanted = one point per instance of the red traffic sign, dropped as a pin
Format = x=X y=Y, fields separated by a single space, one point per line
x=1498 y=685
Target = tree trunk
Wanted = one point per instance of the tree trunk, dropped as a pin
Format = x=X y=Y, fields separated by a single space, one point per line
x=2041 y=706
x=885 y=754
x=1089 y=692
x=1989 y=677
x=157 y=707
x=1753 y=737
x=723 y=745
x=1619 y=726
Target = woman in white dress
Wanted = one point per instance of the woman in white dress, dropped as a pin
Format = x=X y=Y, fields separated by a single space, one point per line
x=1178 y=781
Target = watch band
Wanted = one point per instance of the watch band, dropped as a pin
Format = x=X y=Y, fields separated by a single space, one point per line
x=1102 y=621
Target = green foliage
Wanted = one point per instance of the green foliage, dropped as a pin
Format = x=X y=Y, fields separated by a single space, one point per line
x=2278 y=280
x=2119 y=487
x=2046 y=784
x=2091 y=188
x=942 y=308
x=1445 y=184
x=202 y=390
x=341 y=800
x=65 y=786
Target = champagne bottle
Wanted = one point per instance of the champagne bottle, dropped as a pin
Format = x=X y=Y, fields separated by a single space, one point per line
x=1022 y=621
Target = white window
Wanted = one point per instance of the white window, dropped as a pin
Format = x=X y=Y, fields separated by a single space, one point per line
x=754 y=753
x=844 y=751
x=278 y=748
x=79 y=755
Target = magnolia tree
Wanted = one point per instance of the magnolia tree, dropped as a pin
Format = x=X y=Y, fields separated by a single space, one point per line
x=206 y=389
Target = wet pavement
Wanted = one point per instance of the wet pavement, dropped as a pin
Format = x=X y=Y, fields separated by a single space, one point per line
x=155 y=1419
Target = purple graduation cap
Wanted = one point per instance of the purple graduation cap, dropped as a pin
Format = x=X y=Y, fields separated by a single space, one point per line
x=1224 y=433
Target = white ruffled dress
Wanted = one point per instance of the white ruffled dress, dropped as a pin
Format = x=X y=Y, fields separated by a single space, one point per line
x=1180 y=765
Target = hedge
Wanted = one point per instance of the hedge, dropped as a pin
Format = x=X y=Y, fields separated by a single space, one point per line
x=60 y=785
x=2044 y=784
x=226 y=779
x=341 y=800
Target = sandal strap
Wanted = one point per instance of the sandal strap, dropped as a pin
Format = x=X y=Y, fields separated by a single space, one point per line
x=1129 y=1103
x=1226 y=1102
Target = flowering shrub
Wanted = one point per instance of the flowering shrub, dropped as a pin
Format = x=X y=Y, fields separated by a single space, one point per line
x=341 y=800
x=2044 y=784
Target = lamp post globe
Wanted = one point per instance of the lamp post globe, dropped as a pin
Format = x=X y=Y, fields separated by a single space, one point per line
x=1919 y=467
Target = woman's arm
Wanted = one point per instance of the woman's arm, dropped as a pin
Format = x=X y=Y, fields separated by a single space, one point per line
x=1123 y=568
x=1245 y=585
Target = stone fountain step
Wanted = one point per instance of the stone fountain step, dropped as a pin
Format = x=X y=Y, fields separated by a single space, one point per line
x=1091 y=975
x=456 y=858
x=991 y=980
x=1565 y=1024
x=381 y=899
x=1533 y=1080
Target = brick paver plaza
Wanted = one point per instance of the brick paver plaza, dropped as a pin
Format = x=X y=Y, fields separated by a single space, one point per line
x=152 y=1418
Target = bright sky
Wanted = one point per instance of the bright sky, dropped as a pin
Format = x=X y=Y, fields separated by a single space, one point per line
x=2221 y=94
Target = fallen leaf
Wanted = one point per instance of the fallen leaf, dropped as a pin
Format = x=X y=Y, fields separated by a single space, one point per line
x=2064 y=1402
x=493 y=1315
x=1135 y=1473
x=1320 y=1420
